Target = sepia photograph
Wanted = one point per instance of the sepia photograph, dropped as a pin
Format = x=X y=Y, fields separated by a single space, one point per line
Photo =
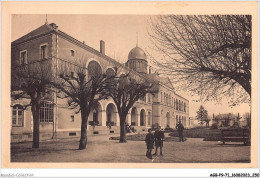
x=114 y=102
x=131 y=88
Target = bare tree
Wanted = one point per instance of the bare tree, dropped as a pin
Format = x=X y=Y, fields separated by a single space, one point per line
x=83 y=86
x=126 y=92
x=207 y=55
x=32 y=81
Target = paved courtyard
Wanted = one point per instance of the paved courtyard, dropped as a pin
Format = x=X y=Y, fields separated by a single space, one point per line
x=101 y=149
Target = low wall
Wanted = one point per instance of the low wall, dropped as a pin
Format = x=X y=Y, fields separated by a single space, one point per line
x=98 y=130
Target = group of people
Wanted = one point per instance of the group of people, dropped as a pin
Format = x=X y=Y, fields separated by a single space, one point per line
x=157 y=139
x=129 y=128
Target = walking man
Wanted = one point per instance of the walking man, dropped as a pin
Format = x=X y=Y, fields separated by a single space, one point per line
x=149 y=140
x=180 y=129
x=158 y=138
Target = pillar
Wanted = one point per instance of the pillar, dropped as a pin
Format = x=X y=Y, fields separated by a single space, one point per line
x=103 y=117
x=138 y=119
x=146 y=120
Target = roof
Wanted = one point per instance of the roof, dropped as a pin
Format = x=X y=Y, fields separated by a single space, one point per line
x=48 y=28
x=44 y=29
x=166 y=81
x=137 y=53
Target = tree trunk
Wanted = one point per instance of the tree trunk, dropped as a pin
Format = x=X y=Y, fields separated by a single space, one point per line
x=122 y=129
x=83 y=136
x=36 y=122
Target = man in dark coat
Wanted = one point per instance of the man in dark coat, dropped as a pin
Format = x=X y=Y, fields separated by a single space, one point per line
x=149 y=140
x=180 y=129
x=158 y=138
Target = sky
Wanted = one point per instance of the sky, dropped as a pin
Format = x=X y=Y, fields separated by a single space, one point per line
x=121 y=33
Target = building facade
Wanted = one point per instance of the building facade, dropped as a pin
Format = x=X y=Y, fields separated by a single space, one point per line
x=49 y=44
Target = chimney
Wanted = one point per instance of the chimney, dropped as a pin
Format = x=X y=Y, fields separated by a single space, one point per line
x=102 y=47
x=54 y=26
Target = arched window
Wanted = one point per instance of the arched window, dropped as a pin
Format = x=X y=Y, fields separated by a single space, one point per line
x=184 y=107
x=94 y=69
x=110 y=72
x=179 y=105
x=18 y=116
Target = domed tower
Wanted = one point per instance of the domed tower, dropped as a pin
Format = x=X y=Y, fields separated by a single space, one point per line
x=137 y=60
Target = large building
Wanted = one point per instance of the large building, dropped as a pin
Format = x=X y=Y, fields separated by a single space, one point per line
x=48 y=43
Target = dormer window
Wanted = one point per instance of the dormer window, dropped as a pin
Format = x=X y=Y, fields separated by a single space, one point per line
x=23 y=57
x=43 y=51
x=72 y=53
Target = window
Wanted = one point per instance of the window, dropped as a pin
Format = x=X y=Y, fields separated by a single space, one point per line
x=17 y=116
x=149 y=118
x=161 y=97
x=72 y=74
x=149 y=98
x=72 y=118
x=177 y=105
x=23 y=57
x=72 y=53
x=46 y=112
x=142 y=98
x=184 y=107
x=94 y=69
x=43 y=52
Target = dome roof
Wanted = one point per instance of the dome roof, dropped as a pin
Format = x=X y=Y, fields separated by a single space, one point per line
x=137 y=53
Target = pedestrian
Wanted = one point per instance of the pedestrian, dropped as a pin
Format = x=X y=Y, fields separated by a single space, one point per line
x=158 y=138
x=109 y=125
x=149 y=140
x=180 y=129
